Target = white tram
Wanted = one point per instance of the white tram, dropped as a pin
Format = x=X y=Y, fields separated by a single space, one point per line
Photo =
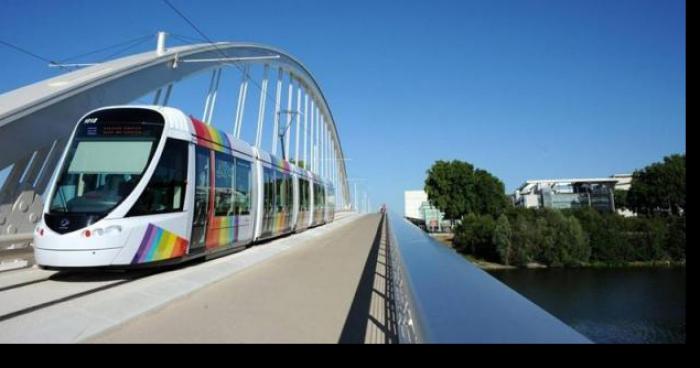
x=148 y=185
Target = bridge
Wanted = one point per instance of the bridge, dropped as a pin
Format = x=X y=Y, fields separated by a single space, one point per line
x=364 y=278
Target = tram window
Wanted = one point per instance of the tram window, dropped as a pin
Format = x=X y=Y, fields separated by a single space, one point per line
x=201 y=191
x=303 y=194
x=290 y=193
x=323 y=195
x=242 y=200
x=166 y=189
x=318 y=196
x=268 y=182
x=281 y=190
x=223 y=184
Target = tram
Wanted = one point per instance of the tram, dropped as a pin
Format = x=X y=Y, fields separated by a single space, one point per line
x=148 y=186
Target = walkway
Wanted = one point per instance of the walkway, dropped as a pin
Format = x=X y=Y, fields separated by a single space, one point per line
x=302 y=296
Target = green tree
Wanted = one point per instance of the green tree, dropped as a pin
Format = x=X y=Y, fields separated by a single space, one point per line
x=475 y=236
x=457 y=189
x=621 y=199
x=450 y=188
x=490 y=197
x=501 y=239
x=659 y=187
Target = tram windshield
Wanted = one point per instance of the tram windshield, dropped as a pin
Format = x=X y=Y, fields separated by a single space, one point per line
x=106 y=160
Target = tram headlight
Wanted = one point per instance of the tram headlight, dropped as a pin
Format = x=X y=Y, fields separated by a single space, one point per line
x=109 y=230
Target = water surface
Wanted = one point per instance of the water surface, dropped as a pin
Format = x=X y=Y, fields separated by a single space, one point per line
x=630 y=305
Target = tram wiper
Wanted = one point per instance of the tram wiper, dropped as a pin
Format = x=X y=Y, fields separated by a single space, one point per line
x=63 y=200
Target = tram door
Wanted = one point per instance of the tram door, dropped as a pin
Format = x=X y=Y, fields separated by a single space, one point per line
x=201 y=199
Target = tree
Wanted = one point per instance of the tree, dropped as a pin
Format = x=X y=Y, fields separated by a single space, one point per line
x=621 y=199
x=457 y=189
x=450 y=188
x=490 y=197
x=502 y=239
x=659 y=187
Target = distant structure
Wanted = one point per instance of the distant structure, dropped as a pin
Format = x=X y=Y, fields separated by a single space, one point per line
x=413 y=199
x=418 y=210
x=598 y=193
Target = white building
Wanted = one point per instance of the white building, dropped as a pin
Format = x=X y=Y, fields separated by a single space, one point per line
x=571 y=193
x=413 y=199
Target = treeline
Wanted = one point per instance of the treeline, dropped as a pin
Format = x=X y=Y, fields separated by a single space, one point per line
x=491 y=228
x=570 y=238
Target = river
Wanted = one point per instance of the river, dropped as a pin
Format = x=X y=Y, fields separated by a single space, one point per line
x=627 y=305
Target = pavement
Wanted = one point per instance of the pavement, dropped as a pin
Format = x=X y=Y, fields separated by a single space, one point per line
x=309 y=294
x=315 y=286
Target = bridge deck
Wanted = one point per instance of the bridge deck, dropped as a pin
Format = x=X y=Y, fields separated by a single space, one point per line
x=304 y=295
x=302 y=288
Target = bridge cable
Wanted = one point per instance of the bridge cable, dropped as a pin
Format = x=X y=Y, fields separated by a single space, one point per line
x=143 y=37
x=131 y=46
x=171 y=6
x=207 y=39
x=27 y=52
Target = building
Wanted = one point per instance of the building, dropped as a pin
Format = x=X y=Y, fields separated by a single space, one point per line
x=432 y=217
x=413 y=199
x=598 y=193
x=418 y=210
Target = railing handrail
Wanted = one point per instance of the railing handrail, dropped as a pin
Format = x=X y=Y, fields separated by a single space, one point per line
x=442 y=298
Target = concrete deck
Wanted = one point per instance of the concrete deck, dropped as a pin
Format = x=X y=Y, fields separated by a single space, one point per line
x=327 y=284
x=309 y=294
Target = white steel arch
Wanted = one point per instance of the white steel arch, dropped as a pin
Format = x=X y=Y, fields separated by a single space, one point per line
x=36 y=119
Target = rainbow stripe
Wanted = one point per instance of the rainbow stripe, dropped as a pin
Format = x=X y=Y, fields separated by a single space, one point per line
x=222 y=231
x=159 y=244
x=210 y=137
x=281 y=164
x=281 y=222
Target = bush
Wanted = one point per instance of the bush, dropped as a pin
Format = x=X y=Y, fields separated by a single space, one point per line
x=570 y=237
x=474 y=236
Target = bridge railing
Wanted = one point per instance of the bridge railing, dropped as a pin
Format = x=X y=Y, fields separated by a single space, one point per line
x=442 y=298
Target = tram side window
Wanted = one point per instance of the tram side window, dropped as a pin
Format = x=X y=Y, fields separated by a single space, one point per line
x=303 y=194
x=290 y=193
x=166 y=189
x=323 y=195
x=242 y=201
x=269 y=184
x=223 y=192
x=201 y=188
x=317 y=196
x=281 y=189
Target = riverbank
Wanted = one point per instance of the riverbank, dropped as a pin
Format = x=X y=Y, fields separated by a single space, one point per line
x=446 y=239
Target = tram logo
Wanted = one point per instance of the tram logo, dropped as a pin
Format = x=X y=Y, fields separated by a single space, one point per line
x=64 y=222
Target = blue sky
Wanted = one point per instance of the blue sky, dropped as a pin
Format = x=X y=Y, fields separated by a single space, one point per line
x=523 y=89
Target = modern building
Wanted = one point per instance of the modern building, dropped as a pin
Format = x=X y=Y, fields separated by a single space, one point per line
x=432 y=217
x=598 y=193
x=413 y=200
x=418 y=209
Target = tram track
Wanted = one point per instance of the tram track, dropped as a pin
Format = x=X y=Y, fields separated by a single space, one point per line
x=69 y=306
x=26 y=297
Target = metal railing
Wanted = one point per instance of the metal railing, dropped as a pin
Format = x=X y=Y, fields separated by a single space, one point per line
x=442 y=298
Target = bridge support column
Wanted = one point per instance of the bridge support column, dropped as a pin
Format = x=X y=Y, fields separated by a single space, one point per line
x=208 y=99
x=166 y=99
x=278 y=96
x=261 y=108
x=306 y=125
x=240 y=108
x=311 y=135
x=287 y=128
x=298 y=122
